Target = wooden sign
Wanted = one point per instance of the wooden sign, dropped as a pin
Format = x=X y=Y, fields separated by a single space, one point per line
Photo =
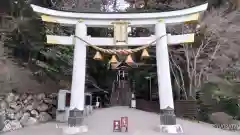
x=116 y=126
x=124 y=123
x=120 y=32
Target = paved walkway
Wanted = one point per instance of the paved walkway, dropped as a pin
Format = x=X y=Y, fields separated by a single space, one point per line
x=140 y=123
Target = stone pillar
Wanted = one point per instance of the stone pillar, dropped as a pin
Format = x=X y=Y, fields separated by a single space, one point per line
x=75 y=120
x=167 y=115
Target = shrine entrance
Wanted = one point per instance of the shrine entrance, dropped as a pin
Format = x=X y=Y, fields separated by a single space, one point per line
x=120 y=22
x=121 y=91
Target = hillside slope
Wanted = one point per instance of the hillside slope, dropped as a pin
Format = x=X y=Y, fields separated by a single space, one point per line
x=12 y=76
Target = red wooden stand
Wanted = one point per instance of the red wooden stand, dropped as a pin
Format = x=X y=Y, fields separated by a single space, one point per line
x=119 y=125
x=116 y=126
x=124 y=123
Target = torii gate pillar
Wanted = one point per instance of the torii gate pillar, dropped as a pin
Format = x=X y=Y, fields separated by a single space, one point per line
x=78 y=78
x=167 y=115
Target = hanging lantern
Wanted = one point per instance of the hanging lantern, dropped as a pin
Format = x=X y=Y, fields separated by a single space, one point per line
x=113 y=59
x=129 y=59
x=98 y=56
x=145 y=54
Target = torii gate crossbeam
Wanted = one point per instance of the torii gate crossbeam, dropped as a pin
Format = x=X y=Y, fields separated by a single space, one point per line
x=159 y=20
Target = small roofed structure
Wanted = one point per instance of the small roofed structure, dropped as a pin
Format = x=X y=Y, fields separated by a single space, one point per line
x=122 y=66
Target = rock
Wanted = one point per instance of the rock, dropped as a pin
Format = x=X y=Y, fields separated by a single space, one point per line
x=44 y=117
x=31 y=121
x=15 y=124
x=32 y=106
x=3 y=105
x=42 y=107
x=3 y=114
x=17 y=97
x=10 y=114
x=34 y=113
x=7 y=126
x=9 y=110
x=19 y=102
x=221 y=118
x=18 y=110
x=53 y=96
x=2 y=97
x=18 y=115
x=15 y=106
x=28 y=99
x=10 y=97
x=25 y=118
x=2 y=118
x=12 y=125
x=40 y=96
x=48 y=101
x=23 y=96
x=28 y=107
x=35 y=104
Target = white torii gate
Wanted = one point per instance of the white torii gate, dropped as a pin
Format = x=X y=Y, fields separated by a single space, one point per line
x=159 y=20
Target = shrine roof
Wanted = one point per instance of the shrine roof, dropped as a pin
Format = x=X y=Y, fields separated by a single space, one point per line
x=124 y=64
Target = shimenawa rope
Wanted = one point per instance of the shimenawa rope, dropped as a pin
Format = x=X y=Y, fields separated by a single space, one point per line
x=116 y=51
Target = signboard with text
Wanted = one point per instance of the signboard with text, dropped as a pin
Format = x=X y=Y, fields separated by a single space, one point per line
x=120 y=125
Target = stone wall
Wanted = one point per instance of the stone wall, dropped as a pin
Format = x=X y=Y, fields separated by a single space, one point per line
x=25 y=109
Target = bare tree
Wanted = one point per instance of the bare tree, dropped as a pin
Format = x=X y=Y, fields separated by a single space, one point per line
x=215 y=52
x=82 y=5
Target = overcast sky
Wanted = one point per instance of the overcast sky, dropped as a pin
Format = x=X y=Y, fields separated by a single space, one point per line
x=121 y=4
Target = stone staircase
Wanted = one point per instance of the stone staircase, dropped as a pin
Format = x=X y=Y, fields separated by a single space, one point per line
x=121 y=94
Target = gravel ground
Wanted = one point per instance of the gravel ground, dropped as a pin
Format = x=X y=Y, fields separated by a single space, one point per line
x=140 y=123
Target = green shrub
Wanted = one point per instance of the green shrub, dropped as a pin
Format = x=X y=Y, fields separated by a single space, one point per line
x=230 y=106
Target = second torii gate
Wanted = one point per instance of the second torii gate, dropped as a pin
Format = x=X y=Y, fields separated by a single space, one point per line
x=121 y=21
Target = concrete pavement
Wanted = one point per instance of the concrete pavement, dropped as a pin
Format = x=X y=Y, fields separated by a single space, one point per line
x=140 y=123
